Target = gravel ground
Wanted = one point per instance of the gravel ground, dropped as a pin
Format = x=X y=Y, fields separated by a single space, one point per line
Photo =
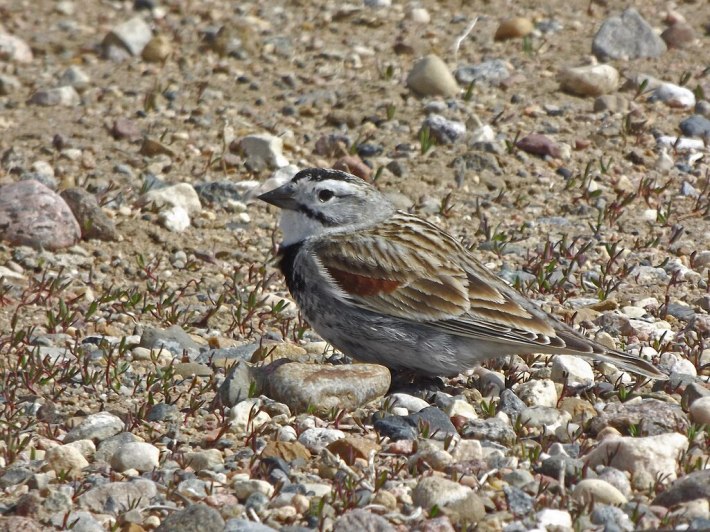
x=156 y=374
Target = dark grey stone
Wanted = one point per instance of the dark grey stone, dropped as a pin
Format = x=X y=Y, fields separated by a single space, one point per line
x=611 y=517
x=695 y=126
x=696 y=485
x=492 y=429
x=237 y=384
x=194 y=518
x=519 y=502
x=554 y=466
x=162 y=411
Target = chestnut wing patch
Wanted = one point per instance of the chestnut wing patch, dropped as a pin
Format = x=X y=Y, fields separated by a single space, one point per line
x=362 y=285
x=395 y=276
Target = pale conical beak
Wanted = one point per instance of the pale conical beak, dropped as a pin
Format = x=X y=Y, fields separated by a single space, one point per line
x=282 y=197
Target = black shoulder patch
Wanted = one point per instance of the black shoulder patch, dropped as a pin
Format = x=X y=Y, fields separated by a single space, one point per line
x=287 y=256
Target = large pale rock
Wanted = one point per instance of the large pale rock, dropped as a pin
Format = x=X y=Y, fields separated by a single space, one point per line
x=33 y=215
x=591 y=80
x=655 y=455
x=431 y=77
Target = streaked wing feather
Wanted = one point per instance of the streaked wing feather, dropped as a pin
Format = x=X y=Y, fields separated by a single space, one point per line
x=410 y=269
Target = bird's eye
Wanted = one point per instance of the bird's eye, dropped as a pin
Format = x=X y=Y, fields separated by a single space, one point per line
x=324 y=195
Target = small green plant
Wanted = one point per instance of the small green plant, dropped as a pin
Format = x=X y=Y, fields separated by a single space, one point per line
x=426 y=140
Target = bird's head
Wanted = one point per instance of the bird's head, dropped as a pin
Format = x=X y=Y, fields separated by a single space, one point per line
x=318 y=201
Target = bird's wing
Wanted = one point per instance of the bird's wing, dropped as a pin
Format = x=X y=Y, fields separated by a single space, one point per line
x=410 y=269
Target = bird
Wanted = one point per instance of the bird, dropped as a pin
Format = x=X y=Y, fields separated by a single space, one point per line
x=385 y=286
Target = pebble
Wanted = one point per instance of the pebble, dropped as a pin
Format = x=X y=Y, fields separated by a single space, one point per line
x=108 y=447
x=673 y=95
x=92 y=219
x=157 y=50
x=596 y=490
x=352 y=447
x=445 y=131
x=449 y=495
x=628 y=36
x=181 y=195
x=591 y=80
x=420 y=15
x=353 y=165
x=561 y=466
x=430 y=76
x=571 y=370
x=614 y=103
x=67 y=459
x=431 y=420
x=519 y=503
x=286 y=450
x=552 y=519
x=411 y=403
x=539 y=144
x=248 y=416
x=80 y=521
x=9 y=84
x=192 y=518
x=243 y=488
x=359 y=520
x=132 y=36
x=492 y=429
x=13 y=49
x=700 y=411
x=75 y=76
x=679 y=35
x=611 y=518
x=317 y=439
x=540 y=392
x=65 y=96
x=105 y=498
x=325 y=387
x=513 y=28
x=263 y=151
x=209 y=459
x=649 y=416
x=192 y=369
x=492 y=72
x=695 y=485
x=549 y=418
x=244 y=525
x=651 y=454
x=695 y=126
x=173 y=339
x=236 y=387
x=140 y=456
x=96 y=427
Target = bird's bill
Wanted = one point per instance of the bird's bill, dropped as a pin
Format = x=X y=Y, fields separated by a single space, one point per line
x=282 y=197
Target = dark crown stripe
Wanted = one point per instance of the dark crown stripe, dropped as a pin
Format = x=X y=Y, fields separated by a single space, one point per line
x=321 y=174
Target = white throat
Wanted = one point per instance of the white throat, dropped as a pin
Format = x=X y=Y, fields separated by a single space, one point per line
x=296 y=227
